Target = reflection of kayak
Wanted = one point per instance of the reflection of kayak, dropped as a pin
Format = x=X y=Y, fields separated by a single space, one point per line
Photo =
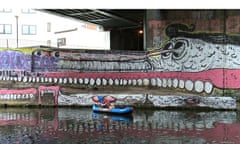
x=124 y=118
x=116 y=110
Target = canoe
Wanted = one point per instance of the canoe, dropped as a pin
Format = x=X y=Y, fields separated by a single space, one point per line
x=116 y=110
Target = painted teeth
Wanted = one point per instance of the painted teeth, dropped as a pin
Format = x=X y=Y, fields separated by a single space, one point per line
x=104 y=82
x=25 y=79
x=116 y=82
x=197 y=86
x=153 y=82
x=169 y=83
x=139 y=82
x=98 y=81
x=42 y=79
x=134 y=82
x=80 y=80
x=86 y=81
x=65 y=80
x=50 y=80
x=175 y=83
x=55 y=80
x=37 y=79
x=189 y=85
x=110 y=81
x=75 y=80
x=125 y=82
x=159 y=82
x=208 y=87
x=16 y=96
x=70 y=80
x=92 y=82
x=164 y=83
x=129 y=82
x=181 y=84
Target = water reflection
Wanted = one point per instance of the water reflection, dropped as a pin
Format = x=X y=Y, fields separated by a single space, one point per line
x=82 y=126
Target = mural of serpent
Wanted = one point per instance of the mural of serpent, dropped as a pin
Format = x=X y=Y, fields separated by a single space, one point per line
x=196 y=63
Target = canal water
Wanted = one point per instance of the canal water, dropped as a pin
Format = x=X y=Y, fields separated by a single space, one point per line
x=82 y=126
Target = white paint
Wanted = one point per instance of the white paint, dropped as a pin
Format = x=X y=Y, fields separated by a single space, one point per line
x=55 y=80
x=129 y=82
x=125 y=82
x=189 y=85
x=37 y=79
x=139 y=82
x=164 y=82
x=60 y=80
x=33 y=79
x=70 y=80
x=45 y=79
x=199 y=86
x=50 y=80
x=134 y=82
x=159 y=82
x=86 y=81
x=75 y=80
x=104 y=81
x=175 y=83
x=65 y=80
x=98 y=81
x=92 y=81
x=181 y=83
x=42 y=79
x=25 y=79
x=80 y=80
x=153 y=82
x=110 y=81
x=208 y=87
x=169 y=83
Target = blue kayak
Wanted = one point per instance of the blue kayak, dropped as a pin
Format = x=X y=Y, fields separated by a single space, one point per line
x=116 y=110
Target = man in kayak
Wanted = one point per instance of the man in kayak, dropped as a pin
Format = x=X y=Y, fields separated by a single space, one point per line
x=104 y=102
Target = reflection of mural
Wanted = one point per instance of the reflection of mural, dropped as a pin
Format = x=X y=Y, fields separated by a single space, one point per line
x=188 y=60
x=31 y=125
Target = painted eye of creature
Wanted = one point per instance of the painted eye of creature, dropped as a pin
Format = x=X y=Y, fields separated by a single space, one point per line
x=37 y=53
x=55 y=54
x=179 y=49
x=168 y=46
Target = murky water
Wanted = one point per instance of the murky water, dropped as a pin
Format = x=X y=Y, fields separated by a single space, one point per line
x=82 y=126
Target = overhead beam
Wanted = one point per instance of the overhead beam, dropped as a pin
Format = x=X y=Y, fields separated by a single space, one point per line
x=97 y=20
x=81 y=13
x=115 y=17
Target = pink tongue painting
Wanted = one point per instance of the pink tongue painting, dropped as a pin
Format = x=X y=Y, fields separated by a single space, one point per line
x=220 y=78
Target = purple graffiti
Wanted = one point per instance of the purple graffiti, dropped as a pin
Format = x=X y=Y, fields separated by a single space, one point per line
x=15 y=60
x=44 y=64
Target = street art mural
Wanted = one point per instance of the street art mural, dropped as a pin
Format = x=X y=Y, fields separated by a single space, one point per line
x=197 y=68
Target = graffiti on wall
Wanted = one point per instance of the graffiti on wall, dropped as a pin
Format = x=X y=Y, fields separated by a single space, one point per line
x=184 y=59
x=211 y=56
x=14 y=60
x=31 y=97
x=43 y=61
